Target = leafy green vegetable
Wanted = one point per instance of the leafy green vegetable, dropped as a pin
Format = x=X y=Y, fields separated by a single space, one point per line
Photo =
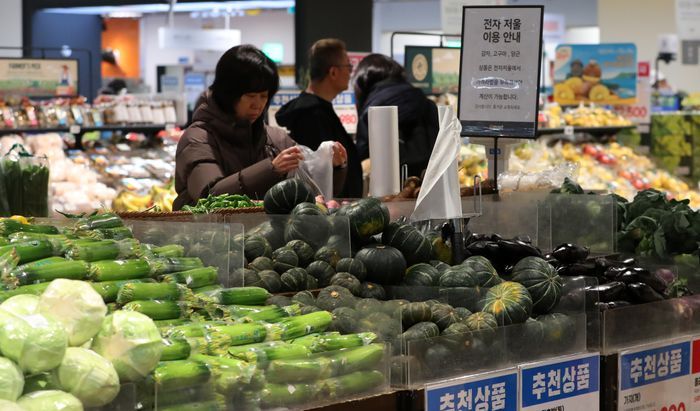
x=51 y=400
x=88 y=376
x=36 y=343
x=11 y=380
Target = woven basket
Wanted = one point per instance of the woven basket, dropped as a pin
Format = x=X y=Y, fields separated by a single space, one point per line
x=186 y=215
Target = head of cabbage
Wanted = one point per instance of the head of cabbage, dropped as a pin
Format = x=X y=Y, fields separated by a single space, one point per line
x=6 y=405
x=11 y=380
x=23 y=304
x=50 y=400
x=132 y=342
x=88 y=376
x=36 y=343
x=77 y=306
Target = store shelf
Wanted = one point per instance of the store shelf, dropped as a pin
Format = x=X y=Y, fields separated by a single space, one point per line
x=595 y=131
x=145 y=128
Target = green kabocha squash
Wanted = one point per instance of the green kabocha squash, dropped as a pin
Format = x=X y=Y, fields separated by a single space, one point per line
x=284 y=259
x=372 y=290
x=308 y=309
x=528 y=338
x=279 y=300
x=322 y=271
x=352 y=266
x=407 y=239
x=304 y=298
x=483 y=271
x=439 y=265
x=445 y=315
x=261 y=264
x=348 y=281
x=559 y=330
x=367 y=217
x=509 y=302
x=329 y=255
x=463 y=312
x=385 y=264
x=307 y=209
x=421 y=331
x=333 y=297
x=458 y=276
x=441 y=251
x=293 y=279
x=303 y=250
x=542 y=282
x=257 y=246
x=385 y=327
x=313 y=229
x=345 y=320
x=272 y=231
x=416 y=312
x=244 y=277
x=421 y=274
x=285 y=195
x=457 y=334
x=367 y=306
x=311 y=282
x=270 y=281
x=481 y=321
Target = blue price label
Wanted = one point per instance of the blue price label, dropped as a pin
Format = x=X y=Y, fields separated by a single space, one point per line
x=494 y=151
x=654 y=365
x=283 y=98
x=487 y=392
x=559 y=380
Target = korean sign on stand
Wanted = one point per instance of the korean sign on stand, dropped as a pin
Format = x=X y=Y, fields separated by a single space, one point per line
x=571 y=383
x=655 y=377
x=489 y=391
x=499 y=70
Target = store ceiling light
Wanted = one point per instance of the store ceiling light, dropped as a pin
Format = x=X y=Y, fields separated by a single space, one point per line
x=179 y=7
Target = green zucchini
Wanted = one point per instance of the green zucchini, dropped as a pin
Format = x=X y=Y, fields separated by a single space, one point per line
x=99 y=221
x=59 y=242
x=119 y=270
x=170 y=250
x=180 y=374
x=50 y=269
x=110 y=289
x=9 y=226
x=158 y=310
x=194 y=278
x=323 y=342
x=115 y=233
x=356 y=359
x=353 y=383
x=206 y=289
x=286 y=395
x=262 y=353
x=29 y=251
x=299 y=370
x=239 y=334
x=175 y=349
x=242 y=295
x=295 y=327
x=152 y=291
x=103 y=250
x=169 y=265
x=252 y=313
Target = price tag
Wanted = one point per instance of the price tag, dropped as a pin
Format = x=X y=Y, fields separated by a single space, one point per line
x=655 y=377
x=496 y=390
x=169 y=127
x=569 y=131
x=74 y=129
x=571 y=383
x=695 y=371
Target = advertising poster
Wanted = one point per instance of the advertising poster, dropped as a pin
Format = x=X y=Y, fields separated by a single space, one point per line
x=38 y=77
x=435 y=70
x=595 y=73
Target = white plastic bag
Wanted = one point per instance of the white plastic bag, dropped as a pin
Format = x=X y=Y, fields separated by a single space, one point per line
x=317 y=169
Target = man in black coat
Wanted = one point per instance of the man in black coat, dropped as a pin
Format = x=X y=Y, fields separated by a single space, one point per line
x=310 y=118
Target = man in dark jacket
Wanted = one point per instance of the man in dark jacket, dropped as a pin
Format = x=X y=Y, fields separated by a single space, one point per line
x=310 y=118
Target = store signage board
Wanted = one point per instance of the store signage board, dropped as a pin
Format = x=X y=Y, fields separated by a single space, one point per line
x=639 y=112
x=435 y=70
x=496 y=390
x=451 y=12
x=688 y=19
x=500 y=70
x=38 y=77
x=343 y=105
x=595 y=73
x=210 y=39
x=655 y=377
x=571 y=383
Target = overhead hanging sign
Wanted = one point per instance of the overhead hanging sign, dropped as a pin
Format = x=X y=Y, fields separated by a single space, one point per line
x=489 y=391
x=655 y=377
x=595 y=73
x=571 y=383
x=209 y=39
x=500 y=71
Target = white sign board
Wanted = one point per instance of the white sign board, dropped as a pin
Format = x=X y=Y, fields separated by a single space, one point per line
x=343 y=105
x=655 y=377
x=640 y=112
x=500 y=71
x=688 y=19
x=451 y=12
x=496 y=390
x=571 y=383
x=210 y=39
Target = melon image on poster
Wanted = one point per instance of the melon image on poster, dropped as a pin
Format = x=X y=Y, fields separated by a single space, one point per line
x=595 y=73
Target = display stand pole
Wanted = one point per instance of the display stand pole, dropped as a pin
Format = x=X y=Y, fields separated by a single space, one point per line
x=496 y=154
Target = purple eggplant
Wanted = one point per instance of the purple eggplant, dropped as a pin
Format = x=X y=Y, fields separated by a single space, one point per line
x=612 y=305
x=643 y=293
x=650 y=279
x=578 y=269
x=612 y=291
x=628 y=276
x=514 y=251
x=570 y=253
x=629 y=262
x=613 y=273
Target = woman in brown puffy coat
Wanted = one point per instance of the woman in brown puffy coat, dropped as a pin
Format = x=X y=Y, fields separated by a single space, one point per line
x=228 y=148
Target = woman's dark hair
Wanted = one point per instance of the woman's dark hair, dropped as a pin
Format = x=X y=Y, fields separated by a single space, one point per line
x=243 y=69
x=373 y=69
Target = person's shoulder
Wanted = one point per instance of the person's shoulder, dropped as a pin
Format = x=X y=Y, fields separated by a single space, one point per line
x=279 y=137
x=195 y=134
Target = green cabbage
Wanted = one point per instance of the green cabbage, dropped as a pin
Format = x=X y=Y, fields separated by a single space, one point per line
x=11 y=380
x=10 y=406
x=77 y=306
x=91 y=378
x=36 y=343
x=23 y=304
x=131 y=341
x=50 y=400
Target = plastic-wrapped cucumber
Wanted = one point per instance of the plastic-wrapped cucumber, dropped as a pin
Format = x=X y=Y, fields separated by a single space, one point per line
x=103 y=250
x=353 y=383
x=323 y=343
x=59 y=242
x=251 y=313
x=101 y=221
x=299 y=326
x=194 y=278
x=242 y=295
x=176 y=375
x=119 y=270
x=230 y=374
x=170 y=250
x=281 y=395
x=152 y=291
x=299 y=370
x=157 y=309
x=29 y=251
x=166 y=324
x=49 y=269
x=240 y=334
x=175 y=349
x=262 y=353
x=207 y=289
x=110 y=289
x=115 y=233
x=356 y=359
x=175 y=265
x=9 y=226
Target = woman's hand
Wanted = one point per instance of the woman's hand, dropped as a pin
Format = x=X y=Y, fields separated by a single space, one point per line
x=288 y=160
x=340 y=155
